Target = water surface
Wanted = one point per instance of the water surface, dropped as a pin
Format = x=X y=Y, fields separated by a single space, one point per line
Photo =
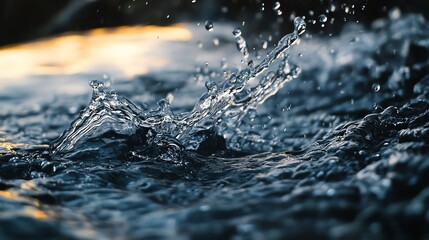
x=340 y=151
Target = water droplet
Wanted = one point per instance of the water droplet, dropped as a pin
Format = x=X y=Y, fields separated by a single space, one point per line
x=236 y=32
x=211 y=85
x=252 y=114
x=347 y=10
x=376 y=87
x=354 y=40
x=170 y=97
x=114 y=95
x=395 y=13
x=264 y=45
x=240 y=43
x=296 y=71
x=73 y=110
x=323 y=18
x=204 y=208
x=223 y=64
x=330 y=192
x=163 y=104
x=209 y=26
x=276 y=6
x=216 y=42
x=96 y=84
x=300 y=25
x=200 y=44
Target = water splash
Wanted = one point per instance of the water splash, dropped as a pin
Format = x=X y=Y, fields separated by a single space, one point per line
x=241 y=43
x=221 y=108
x=276 y=8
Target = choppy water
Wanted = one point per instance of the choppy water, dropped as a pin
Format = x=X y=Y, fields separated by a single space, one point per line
x=335 y=148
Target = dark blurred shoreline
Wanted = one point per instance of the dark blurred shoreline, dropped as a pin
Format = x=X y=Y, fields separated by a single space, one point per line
x=22 y=21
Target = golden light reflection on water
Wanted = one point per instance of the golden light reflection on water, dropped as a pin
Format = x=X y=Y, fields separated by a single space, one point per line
x=16 y=197
x=35 y=213
x=7 y=145
x=129 y=50
x=31 y=207
x=11 y=195
x=7 y=194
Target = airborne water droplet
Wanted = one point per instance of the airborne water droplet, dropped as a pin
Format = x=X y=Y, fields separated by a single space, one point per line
x=395 y=13
x=323 y=18
x=376 y=87
x=264 y=45
x=241 y=43
x=237 y=32
x=216 y=42
x=276 y=6
x=209 y=26
x=300 y=25
x=277 y=9
x=346 y=9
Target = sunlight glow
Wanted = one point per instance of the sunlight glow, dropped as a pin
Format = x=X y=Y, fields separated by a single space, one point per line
x=121 y=49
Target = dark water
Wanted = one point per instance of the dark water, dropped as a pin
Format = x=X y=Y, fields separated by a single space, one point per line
x=338 y=153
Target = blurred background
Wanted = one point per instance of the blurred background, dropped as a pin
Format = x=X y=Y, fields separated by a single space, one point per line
x=22 y=21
